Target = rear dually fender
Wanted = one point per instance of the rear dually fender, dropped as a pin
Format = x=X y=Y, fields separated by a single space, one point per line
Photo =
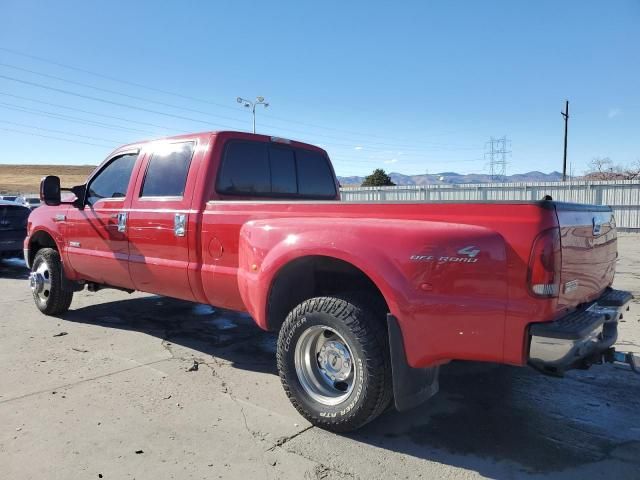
x=446 y=283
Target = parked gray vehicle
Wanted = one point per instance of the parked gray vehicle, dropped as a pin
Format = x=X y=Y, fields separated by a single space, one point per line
x=13 y=228
x=31 y=202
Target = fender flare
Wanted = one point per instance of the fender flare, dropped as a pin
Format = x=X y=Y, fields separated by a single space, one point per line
x=281 y=255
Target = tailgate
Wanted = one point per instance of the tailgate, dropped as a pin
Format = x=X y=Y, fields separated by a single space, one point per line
x=589 y=250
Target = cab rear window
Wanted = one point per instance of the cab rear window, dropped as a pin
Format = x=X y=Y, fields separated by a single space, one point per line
x=274 y=170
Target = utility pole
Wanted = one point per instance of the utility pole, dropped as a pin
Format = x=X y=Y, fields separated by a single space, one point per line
x=252 y=105
x=565 y=115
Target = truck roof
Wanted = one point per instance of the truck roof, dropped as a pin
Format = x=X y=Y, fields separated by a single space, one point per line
x=226 y=133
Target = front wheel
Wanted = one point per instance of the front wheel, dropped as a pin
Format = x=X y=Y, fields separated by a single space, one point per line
x=47 y=283
x=333 y=361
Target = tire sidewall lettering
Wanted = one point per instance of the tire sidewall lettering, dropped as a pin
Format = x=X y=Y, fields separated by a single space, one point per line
x=293 y=332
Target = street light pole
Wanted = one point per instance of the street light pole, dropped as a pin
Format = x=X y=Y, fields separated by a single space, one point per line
x=253 y=105
x=253 y=111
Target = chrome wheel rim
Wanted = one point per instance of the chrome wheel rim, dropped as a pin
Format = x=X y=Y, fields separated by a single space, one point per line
x=325 y=365
x=40 y=282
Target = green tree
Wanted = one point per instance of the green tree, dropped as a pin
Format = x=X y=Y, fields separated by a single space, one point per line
x=378 y=178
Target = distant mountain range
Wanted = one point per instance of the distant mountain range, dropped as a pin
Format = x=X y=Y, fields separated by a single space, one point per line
x=456 y=178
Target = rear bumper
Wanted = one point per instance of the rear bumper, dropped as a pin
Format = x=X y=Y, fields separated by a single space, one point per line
x=580 y=338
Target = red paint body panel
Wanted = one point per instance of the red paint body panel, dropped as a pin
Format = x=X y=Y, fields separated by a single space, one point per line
x=158 y=259
x=450 y=302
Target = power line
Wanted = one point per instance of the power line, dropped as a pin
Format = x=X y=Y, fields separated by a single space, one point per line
x=68 y=118
x=404 y=161
x=154 y=89
x=89 y=122
x=66 y=107
x=55 y=138
x=116 y=127
x=110 y=102
x=334 y=158
x=196 y=120
x=83 y=121
x=164 y=104
x=115 y=79
x=148 y=123
x=104 y=125
x=114 y=92
x=175 y=94
x=117 y=142
x=362 y=134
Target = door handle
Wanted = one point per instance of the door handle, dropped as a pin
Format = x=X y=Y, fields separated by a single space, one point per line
x=179 y=224
x=122 y=222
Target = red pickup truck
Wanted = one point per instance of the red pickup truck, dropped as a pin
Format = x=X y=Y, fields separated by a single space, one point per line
x=369 y=299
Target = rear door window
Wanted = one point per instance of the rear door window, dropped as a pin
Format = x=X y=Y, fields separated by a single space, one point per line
x=167 y=170
x=269 y=170
x=245 y=169
x=112 y=181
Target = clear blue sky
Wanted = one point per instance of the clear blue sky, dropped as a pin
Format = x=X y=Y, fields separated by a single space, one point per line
x=407 y=86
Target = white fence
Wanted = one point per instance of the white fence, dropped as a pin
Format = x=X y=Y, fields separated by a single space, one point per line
x=622 y=195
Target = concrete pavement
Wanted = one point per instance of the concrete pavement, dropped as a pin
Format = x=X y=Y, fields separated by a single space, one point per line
x=110 y=390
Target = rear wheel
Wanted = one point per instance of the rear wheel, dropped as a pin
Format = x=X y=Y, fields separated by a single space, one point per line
x=47 y=283
x=333 y=360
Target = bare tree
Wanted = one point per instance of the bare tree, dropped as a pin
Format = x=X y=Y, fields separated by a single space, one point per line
x=633 y=170
x=603 y=168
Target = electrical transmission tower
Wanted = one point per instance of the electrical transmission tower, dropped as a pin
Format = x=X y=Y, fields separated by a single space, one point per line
x=496 y=152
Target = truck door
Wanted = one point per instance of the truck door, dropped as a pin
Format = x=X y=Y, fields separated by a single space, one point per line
x=96 y=236
x=158 y=220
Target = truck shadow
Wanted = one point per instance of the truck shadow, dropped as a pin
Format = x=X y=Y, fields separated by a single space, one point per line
x=225 y=334
x=507 y=422
x=500 y=421
x=13 y=269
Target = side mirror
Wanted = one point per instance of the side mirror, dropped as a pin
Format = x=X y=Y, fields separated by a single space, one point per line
x=80 y=192
x=50 y=190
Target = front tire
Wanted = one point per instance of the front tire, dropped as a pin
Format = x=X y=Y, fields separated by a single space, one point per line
x=333 y=360
x=48 y=284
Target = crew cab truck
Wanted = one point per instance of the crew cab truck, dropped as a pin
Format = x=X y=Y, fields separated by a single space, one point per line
x=369 y=299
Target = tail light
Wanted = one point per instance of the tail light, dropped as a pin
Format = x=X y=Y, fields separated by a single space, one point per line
x=544 y=264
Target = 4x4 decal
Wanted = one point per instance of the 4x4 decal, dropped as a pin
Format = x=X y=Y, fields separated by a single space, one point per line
x=467 y=254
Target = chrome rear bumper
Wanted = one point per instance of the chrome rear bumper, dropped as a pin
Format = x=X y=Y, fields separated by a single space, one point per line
x=580 y=338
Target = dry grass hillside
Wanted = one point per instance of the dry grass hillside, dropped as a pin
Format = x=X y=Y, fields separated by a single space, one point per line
x=26 y=178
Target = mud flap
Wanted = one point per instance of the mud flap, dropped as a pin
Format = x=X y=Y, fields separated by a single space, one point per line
x=411 y=386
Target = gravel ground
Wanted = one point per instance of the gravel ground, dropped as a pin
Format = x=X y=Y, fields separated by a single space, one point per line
x=107 y=392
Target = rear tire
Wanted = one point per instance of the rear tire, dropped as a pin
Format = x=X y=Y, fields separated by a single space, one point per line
x=333 y=360
x=50 y=293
